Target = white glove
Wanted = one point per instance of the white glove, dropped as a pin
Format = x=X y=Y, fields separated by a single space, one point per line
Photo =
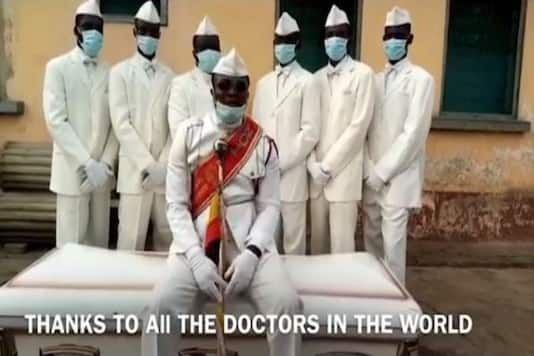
x=97 y=173
x=319 y=175
x=205 y=273
x=154 y=175
x=241 y=271
x=374 y=181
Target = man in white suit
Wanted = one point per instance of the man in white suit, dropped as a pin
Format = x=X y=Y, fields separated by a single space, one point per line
x=395 y=154
x=336 y=164
x=287 y=107
x=139 y=93
x=191 y=92
x=224 y=137
x=76 y=111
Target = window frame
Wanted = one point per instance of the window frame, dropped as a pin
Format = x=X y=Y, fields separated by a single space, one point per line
x=114 y=18
x=490 y=117
x=356 y=18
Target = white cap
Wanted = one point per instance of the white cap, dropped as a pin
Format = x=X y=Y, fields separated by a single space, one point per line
x=397 y=17
x=232 y=65
x=206 y=28
x=89 y=7
x=336 y=16
x=286 y=25
x=148 y=13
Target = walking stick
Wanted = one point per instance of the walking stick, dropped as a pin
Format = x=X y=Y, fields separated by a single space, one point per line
x=220 y=148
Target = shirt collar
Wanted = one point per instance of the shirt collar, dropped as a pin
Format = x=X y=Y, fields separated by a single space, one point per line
x=399 y=66
x=206 y=77
x=79 y=55
x=341 y=66
x=286 y=70
x=142 y=61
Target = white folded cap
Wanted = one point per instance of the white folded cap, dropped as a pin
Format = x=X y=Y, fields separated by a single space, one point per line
x=89 y=7
x=286 y=25
x=232 y=65
x=206 y=28
x=148 y=13
x=397 y=17
x=336 y=16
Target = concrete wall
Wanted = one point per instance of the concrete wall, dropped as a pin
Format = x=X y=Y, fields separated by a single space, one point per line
x=479 y=165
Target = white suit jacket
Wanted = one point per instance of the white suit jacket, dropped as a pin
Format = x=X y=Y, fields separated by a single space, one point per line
x=190 y=96
x=76 y=111
x=252 y=198
x=346 y=112
x=138 y=107
x=292 y=119
x=398 y=132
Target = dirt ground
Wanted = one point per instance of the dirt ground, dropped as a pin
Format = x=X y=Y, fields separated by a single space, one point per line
x=492 y=282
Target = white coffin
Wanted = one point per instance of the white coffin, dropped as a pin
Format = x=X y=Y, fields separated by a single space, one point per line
x=79 y=279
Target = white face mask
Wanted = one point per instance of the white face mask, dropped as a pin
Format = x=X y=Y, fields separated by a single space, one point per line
x=230 y=116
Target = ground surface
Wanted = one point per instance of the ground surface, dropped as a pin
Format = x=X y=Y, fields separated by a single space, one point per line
x=492 y=282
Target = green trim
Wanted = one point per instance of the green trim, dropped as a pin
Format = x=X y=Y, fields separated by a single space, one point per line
x=482 y=124
x=11 y=108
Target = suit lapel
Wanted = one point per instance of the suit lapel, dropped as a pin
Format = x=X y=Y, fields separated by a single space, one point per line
x=398 y=82
x=291 y=84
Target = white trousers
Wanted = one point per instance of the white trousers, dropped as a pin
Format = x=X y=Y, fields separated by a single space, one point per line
x=177 y=293
x=293 y=228
x=83 y=219
x=135 y=212
x=384 y=231
x=333 y=226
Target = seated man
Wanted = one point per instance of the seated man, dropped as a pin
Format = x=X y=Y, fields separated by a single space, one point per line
x=223 y=141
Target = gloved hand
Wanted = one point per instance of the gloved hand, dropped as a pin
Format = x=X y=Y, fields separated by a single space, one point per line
x=241 y=271
x=319 y=175
x=154 y=175
x=205 y=273
x=374 y=181
x=97 y=173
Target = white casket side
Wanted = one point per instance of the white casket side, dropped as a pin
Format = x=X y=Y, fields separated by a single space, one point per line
x=84 y=280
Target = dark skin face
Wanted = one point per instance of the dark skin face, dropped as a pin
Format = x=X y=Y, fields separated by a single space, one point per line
x=143 y=28
x=231 y=91
x=342 y=30
x=292 y=38
x=203 y=42
x=402 y=32
x=86 y=23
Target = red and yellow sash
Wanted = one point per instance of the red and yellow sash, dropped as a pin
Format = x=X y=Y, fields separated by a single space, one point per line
x=205 y=182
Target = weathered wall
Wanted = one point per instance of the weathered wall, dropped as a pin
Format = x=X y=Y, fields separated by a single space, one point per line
x=478 y=184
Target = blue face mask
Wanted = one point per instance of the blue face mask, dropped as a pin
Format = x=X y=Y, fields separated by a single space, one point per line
x=207 y=60
x=92 y=42
x=395 y=49
x=285 y=53
x=148 y=45
x=231 y=116
x=336 y=48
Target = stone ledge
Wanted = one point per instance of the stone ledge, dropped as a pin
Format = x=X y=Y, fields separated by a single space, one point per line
x=510 y=125
x=15 y=108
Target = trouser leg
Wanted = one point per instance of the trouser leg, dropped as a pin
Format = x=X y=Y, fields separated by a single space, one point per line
x=394 y=231
x=162 y=233
x=294 y=227
x=372 y=225
x=272 y=293
x=98 y=227
x=343 y=220
x=176 y=293
x=320 y=231
x=72 y=216
x=134 y=215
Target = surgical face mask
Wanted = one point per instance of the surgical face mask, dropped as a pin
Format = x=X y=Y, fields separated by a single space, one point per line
x=230 y=116
x=285 y=53
x=336 y=48
x=148 y=45
x=92 y=42
x=395 y=49
x=207 y=60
